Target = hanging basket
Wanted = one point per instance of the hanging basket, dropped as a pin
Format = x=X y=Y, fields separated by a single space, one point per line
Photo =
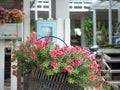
x=40 y=81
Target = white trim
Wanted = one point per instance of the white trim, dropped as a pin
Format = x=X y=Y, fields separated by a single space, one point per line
x=2 y=64
x=94 y=27
x=74 y=5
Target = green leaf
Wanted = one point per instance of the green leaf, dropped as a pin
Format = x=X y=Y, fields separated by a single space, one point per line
x=70 y=80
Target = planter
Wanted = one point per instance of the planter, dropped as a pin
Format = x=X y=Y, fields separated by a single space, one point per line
x=40 y=81
x=11 y=30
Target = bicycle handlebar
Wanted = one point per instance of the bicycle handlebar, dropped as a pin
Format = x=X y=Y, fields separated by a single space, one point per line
x=104 y=57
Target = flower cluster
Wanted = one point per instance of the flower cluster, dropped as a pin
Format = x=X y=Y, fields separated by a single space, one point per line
x=78 y=63
x=11 y=16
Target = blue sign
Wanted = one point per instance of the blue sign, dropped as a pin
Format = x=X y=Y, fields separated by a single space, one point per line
x=46 y=28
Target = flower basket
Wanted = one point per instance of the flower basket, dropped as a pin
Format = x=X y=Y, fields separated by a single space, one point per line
x=52 y=66
x=40 y=80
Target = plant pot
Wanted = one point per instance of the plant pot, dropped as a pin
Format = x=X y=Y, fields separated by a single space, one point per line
x=40 y=81
x=11 y=30
x=100 y=39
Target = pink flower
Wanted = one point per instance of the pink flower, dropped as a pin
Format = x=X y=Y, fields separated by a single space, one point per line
x=47 y=39
x=87 y=53
x=69 y=68
x=66 y=48
x=103 y=80
x=78 y=48
x=72 y=62
x=42 y=45
x=93 y=56
x=90 y=66
x=92 y=78
x=73 y=50
x=53 y=53
x=57 y=47
x=64 y=70
x=31 y=42
x=60 y=53
x=32 y=56
x=33 y=48
x=98 y=86
x=53 y=63
x=25 y=49
x=99 y=72
x=39 y=42
x=78 y=62
x=90 y=59
x=95 y=64
x=33 y=36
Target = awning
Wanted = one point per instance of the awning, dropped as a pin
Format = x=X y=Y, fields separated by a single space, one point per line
x=105 y=5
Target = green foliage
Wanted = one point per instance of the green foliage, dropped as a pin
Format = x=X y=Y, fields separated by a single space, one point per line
x=88 y=30
x=104 y=34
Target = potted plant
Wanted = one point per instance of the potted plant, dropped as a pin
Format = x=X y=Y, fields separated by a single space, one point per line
x=76 y=63
x=11 y=16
